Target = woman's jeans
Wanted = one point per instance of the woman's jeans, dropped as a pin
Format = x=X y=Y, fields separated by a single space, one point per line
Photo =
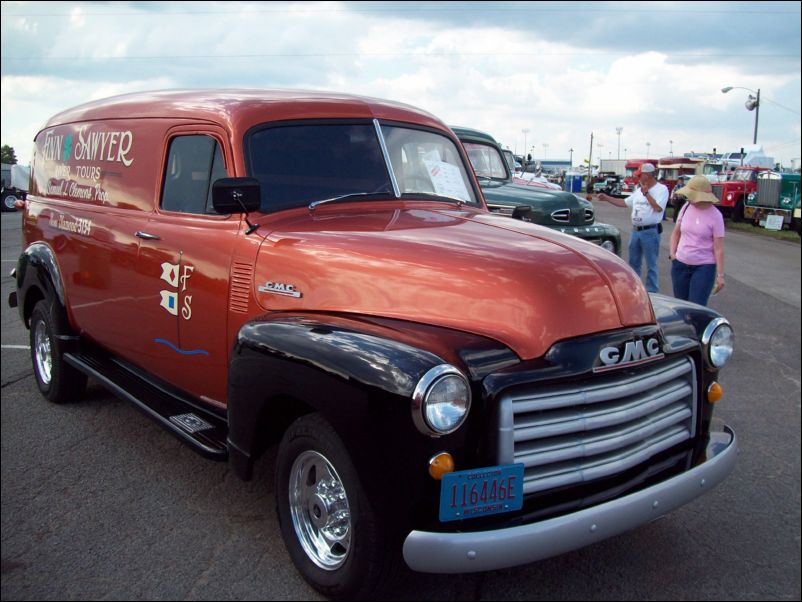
x=646 y=245
x=693 y=282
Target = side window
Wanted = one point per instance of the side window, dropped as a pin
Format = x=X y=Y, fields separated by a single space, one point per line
x=193 y=164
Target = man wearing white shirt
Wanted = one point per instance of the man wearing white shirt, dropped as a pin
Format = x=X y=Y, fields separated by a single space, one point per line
x=648 y=203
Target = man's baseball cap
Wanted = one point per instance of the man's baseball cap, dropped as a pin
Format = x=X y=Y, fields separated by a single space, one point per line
x=645 y=168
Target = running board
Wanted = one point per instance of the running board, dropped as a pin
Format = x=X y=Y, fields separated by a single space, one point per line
x=203 y=431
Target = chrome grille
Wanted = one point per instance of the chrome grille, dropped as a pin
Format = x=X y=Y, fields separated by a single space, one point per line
x=717 y=191
x=561 y=215
x=589 y=215
x=565 y=435
x=768 y=191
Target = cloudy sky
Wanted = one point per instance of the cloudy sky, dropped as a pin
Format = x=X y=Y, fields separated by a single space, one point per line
x=554 y=70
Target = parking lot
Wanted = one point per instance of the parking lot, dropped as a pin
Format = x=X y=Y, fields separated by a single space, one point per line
x=99 y=503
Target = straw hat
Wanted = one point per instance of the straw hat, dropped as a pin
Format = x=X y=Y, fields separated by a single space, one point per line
x=698 y=190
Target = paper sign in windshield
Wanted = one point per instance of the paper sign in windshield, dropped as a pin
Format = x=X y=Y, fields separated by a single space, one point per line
x=447 y=179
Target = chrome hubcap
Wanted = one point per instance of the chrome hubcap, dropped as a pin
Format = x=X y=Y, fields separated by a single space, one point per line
x=320 y=513
x=44 y=359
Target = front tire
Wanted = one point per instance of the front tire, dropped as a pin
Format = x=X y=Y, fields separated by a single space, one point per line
x=57 y=381
x=9 y=202
x=331 y=532
x=738 y=211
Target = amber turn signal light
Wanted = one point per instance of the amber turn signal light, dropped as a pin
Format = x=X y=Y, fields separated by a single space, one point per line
x=441 y=464
x=714 y=392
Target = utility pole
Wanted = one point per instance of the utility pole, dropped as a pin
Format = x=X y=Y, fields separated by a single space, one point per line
x=590 y=166
x=618 y=131
x=525 y=131
x=571 y=160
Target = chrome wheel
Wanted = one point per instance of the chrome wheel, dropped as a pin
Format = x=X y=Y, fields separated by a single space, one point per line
x=320 y=512
x=42 y=351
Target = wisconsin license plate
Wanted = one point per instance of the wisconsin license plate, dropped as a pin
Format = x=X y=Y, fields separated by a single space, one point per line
x=481 y=492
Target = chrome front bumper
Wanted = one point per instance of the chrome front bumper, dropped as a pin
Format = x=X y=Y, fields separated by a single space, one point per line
x=490 y=550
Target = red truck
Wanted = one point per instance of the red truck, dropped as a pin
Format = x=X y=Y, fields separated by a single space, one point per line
x=630 y=179
x=319 y=272
x=733 y=192
x=671 y=168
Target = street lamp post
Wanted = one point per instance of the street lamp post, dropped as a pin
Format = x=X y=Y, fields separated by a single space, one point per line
x=648 y=146
x=618 y=131
x=752 y=103
x=571 y=160
x=671 y=148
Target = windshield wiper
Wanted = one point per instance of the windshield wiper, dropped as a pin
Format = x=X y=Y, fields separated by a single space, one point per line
x=436 y=197
x=348 y=197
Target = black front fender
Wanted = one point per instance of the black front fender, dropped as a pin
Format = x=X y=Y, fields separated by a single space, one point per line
x=359 y=373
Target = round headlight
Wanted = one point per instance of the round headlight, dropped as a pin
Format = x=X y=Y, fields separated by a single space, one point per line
x=609 y=245
x=441 y=400
x=718 y=340
x=729 y=196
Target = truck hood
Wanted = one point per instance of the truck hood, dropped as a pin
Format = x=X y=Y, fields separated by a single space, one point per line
x=523 y=285
x=542 y=201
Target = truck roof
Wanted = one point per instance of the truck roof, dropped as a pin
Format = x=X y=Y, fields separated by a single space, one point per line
x=468 y=133
x=241 y=109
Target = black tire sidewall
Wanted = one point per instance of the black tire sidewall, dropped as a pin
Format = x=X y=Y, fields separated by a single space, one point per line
x=5 y=196
x=66 y=383
x=360 y=574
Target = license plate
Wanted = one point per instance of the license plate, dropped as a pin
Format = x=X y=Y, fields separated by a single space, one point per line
x=481 y=492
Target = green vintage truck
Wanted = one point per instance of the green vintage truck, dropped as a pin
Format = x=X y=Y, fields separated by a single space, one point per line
x=555 y=209
x=776 y=194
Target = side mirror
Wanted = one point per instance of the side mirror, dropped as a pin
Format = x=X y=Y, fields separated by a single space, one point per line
x=522 y=212
x=236 y=195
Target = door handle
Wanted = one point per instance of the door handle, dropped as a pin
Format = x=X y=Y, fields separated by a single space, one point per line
x=147 y=236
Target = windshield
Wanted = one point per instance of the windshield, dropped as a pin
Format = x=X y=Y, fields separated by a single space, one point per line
x=299 y=164
x=511 y=162
x=425 y=162
x=743 y=175
x=486 y=160
x=712 y=168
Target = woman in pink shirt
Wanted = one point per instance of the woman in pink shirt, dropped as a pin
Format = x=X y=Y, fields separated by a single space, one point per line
x=697 y=244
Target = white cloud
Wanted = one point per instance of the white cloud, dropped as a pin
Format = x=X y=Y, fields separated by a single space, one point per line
x=553 y=73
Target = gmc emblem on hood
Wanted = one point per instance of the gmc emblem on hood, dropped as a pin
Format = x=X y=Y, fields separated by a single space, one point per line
x=279 y=288
x=634 y=353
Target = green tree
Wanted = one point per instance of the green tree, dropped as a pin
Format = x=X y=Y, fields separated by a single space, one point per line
x=8 y=155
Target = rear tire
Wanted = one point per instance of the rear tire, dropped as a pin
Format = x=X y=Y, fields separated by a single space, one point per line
x=332 y=534
x=57 y=381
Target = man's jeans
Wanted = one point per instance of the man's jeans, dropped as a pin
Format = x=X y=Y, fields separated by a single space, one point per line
x=646 y=243
x=693 y=282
